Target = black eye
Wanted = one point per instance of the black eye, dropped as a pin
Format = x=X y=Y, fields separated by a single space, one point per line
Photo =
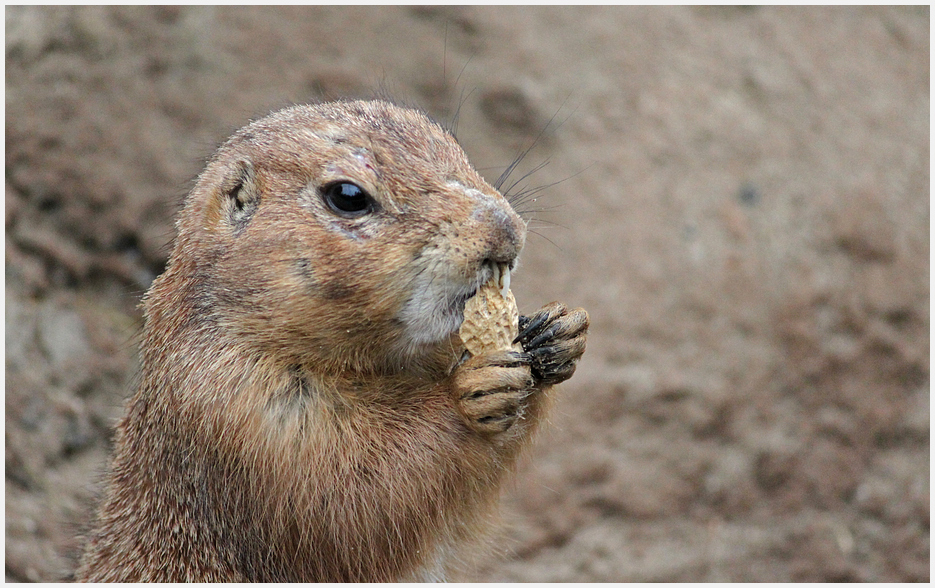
x=347 y=199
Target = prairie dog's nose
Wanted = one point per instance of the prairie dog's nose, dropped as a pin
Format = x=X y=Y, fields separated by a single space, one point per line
x=502 y=230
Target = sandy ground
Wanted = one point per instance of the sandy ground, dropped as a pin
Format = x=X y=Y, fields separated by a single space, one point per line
x=739 y=196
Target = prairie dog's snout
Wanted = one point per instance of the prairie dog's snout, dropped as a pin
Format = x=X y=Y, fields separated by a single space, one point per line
x=502 y=231
x=483 y=231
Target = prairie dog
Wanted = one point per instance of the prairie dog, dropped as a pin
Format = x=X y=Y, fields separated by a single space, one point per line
x=305 y=411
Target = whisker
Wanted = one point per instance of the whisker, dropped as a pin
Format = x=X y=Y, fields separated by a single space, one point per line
x=522 y=156
x=453 y=125
x=548 y=225
x=524 y=195
x=523 y=177
x=538 y=234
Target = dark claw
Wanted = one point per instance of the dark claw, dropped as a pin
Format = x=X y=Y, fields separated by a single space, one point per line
x=554 y=339
x=552 y=366
x=556 y=374
x=530 y=326
x=545 y=335
x=542 y=352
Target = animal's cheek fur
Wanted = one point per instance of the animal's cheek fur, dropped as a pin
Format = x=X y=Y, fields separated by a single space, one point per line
x=317 y=294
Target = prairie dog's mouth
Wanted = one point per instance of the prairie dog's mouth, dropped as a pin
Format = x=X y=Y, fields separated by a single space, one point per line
x=499 y=273
x=436 y=308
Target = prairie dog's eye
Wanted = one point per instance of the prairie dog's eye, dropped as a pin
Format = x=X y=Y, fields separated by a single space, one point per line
x=347 y=199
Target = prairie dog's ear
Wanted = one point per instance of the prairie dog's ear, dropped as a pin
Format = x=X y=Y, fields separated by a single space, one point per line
x=238 y=196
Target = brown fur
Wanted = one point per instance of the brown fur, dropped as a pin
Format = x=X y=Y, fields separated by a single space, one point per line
x=303 y=412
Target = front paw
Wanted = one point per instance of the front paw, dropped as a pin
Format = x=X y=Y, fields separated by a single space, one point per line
x=491 y=390
x=554 y=338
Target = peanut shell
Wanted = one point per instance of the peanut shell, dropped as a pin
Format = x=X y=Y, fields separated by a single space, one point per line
x=491 y=319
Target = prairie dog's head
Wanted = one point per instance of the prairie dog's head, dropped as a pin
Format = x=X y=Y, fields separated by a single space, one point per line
x=345 y=234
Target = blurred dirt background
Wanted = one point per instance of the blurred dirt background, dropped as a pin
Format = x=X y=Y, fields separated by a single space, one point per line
x=740 y=199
